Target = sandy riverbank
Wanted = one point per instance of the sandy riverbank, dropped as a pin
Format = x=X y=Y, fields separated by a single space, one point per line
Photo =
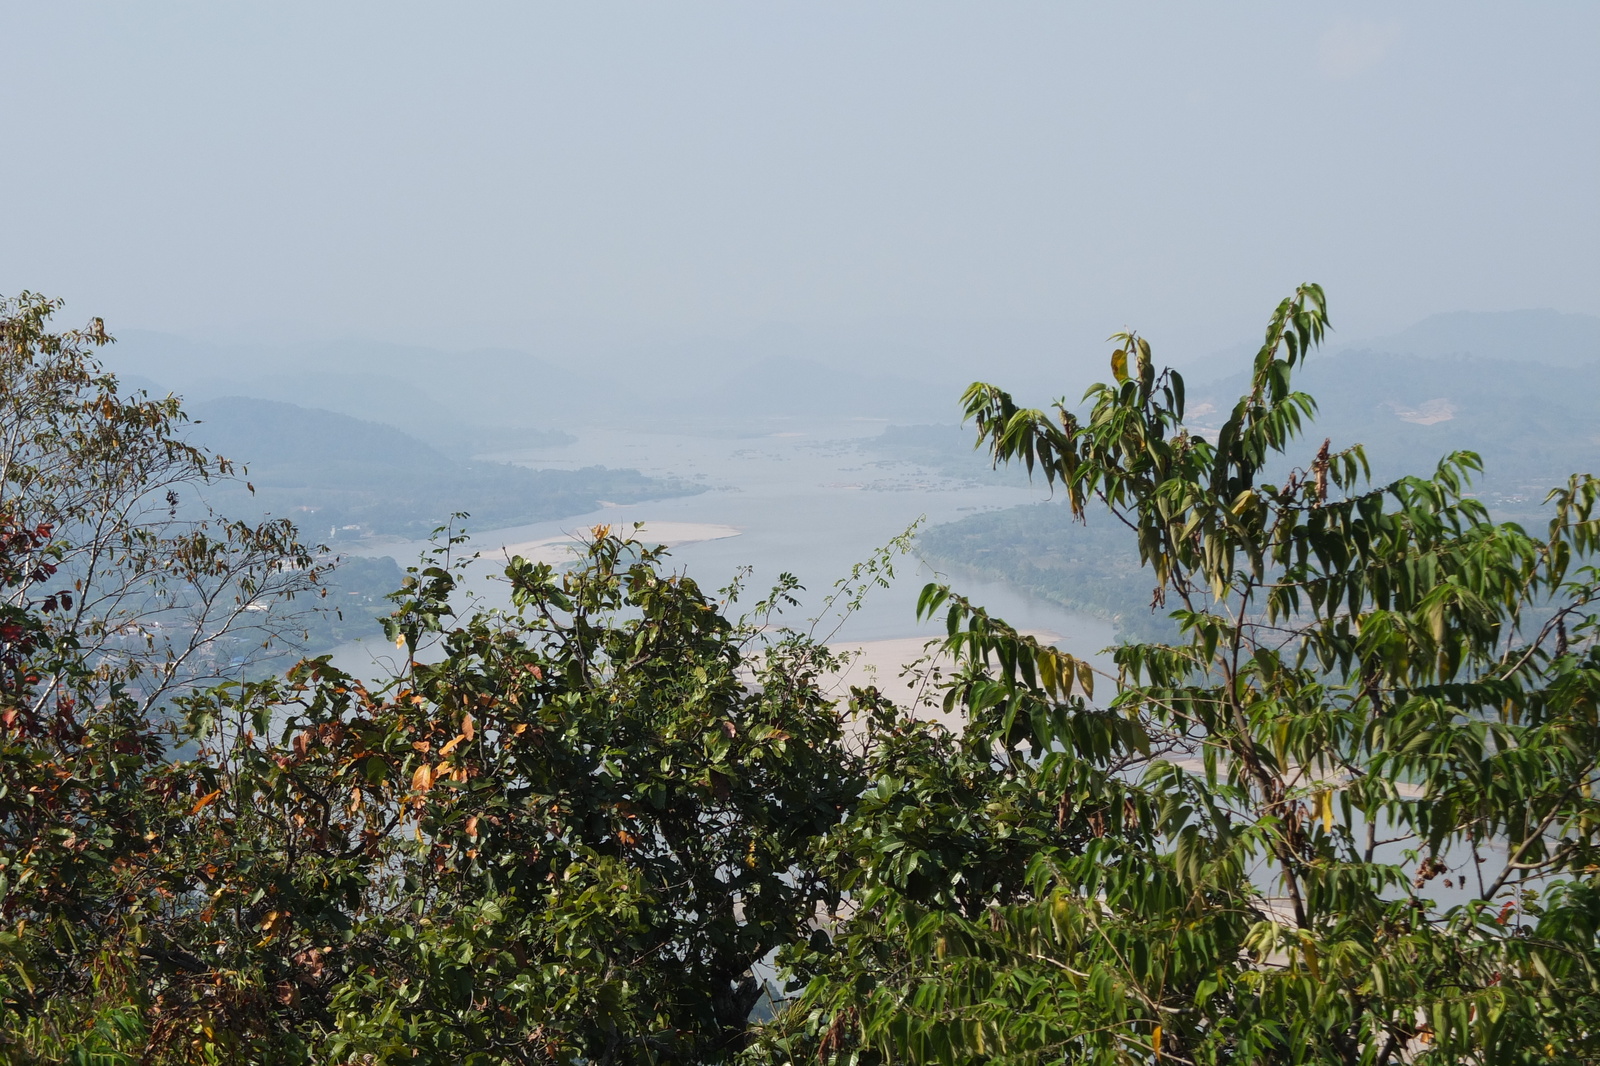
x=560 y=548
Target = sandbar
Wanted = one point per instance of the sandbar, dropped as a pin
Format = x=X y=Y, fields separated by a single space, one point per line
x=559 y=549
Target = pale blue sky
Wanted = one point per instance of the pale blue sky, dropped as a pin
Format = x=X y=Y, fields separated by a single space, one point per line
x=469 y=173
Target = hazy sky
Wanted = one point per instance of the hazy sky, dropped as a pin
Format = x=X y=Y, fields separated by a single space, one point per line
x=465 y=173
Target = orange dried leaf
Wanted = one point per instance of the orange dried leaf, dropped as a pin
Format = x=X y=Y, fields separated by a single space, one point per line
x=204 y=801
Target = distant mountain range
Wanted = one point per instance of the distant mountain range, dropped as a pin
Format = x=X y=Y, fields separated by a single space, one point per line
x=339 y=477
x=1518 y=387
x=1550 y=338
x=391 y=450
x=491 y=399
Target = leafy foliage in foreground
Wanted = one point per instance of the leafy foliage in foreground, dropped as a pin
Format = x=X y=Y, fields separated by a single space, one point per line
x=1348 y=817
x=570 y=838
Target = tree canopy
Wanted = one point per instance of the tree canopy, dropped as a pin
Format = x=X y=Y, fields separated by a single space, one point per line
x=1348 y=817
x=1345 y=815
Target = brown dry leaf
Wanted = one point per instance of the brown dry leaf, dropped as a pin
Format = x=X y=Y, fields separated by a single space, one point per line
x=422 y=780
x=468 y=727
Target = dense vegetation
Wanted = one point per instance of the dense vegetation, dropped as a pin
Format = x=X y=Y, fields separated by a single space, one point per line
x=1346 y=815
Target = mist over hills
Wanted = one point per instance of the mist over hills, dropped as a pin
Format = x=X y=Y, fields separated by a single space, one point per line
x=906 y=372
x=442 y=397
x=1517 y=387
x=401 y=423
x=339 y=477
x=486 y=399
x=1552 y=338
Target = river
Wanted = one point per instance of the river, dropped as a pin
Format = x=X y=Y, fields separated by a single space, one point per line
x=804 y=499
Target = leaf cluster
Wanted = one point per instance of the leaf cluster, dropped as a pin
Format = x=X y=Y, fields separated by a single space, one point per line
x=1347 y=816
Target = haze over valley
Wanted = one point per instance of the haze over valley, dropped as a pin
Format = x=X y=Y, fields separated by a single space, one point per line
x=900 y=531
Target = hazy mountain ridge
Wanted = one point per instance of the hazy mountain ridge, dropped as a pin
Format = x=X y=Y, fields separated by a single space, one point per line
x=328 y=471
x=1531 y=424
x=1552 y=338
x=492 y=398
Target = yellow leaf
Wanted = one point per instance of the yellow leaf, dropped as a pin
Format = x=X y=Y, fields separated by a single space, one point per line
x=1324 y=805
x=451 y=745
x=1119 y=364
x=1155 y=1040
x=423 y=778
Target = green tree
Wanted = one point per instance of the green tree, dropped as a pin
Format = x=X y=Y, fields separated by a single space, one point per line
x=574 y=831
x=569 y=833
x=142 y=581
x=118 y=592
x=1347 y=817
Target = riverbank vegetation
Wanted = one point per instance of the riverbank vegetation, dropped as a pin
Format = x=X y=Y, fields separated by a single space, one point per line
x=1343 y=813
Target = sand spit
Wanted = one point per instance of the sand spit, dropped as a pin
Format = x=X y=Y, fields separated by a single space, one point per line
x=560 y=549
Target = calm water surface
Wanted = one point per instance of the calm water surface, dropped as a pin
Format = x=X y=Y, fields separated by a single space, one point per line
x=807 y=500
